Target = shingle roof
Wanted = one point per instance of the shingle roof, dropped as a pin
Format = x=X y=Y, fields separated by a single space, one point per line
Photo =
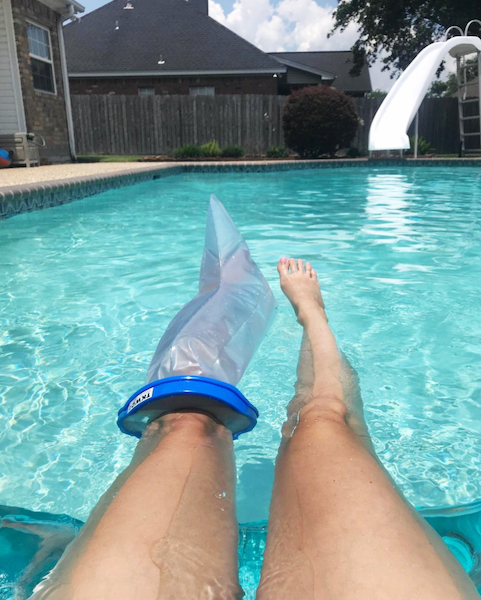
x=337 y=62
x=188 y=40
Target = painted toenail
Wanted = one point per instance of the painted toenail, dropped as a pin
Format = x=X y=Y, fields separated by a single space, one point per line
x=283 y=259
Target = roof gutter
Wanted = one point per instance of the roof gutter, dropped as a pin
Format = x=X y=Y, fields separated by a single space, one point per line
x=73 y=7
x=281 y=69
x=302 y=67
x=78 y=7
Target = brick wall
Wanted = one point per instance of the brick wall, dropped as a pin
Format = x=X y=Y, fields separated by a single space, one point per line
x=45 y=113
x=247 y=84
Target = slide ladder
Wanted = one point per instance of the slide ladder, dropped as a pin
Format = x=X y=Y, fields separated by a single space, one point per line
x=469 y=102
x=396 y=113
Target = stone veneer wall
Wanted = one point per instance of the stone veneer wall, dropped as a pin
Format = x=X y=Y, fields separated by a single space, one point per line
x=239 y=84
x=44 y=113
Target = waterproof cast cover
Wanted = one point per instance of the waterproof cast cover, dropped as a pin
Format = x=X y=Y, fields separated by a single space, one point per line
x=212 y=339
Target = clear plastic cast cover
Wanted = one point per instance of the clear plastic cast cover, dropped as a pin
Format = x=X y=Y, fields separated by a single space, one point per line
x=217 y=333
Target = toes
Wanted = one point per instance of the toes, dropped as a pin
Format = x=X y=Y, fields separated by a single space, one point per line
x=292 y=265
x=282 y=266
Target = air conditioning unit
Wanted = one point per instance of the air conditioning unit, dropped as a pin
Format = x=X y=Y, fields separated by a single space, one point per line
x=23 y=148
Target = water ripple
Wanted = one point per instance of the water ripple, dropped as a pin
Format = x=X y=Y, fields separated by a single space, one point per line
x=87 y=289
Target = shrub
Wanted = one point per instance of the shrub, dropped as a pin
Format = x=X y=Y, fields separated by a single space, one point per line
x=277 y=152
x=319 y=120
x=211 y=149
x=354 y=152
x=376 y=94
x=232 y=152
x=188 y=151
x=424 y=147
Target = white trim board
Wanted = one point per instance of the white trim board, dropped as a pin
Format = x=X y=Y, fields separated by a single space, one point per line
x=61 y=5
x=14 y=73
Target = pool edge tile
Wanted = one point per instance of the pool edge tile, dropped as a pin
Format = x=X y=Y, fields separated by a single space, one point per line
x=21 y=198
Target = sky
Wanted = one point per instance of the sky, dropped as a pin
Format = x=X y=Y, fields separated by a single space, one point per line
x=283 y=25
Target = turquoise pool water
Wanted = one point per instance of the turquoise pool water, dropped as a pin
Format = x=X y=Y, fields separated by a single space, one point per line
x=88 y=288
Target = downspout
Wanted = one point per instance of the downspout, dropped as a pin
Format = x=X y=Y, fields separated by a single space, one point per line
x=63 y=64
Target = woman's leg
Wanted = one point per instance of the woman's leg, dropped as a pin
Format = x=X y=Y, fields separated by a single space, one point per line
x=339 y=528
x=166 y=529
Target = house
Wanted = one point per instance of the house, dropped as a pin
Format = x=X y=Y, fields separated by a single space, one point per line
x=33 y=79
x=321 y=68
x=151 y=47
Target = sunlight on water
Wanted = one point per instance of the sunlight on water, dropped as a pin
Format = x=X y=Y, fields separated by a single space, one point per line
x=88 y=288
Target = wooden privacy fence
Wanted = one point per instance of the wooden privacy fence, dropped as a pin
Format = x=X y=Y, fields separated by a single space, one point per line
x=158 y=124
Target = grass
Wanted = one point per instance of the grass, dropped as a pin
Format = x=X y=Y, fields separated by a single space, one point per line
x=94 y=158
x=456 y=156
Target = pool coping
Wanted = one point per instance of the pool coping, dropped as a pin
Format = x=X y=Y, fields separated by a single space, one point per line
x=17 y=199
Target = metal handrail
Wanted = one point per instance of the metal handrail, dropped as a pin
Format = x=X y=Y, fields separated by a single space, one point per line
x=461 y=32
x=469 y=24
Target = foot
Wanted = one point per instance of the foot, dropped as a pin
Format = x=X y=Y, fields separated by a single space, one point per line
x=300 y=284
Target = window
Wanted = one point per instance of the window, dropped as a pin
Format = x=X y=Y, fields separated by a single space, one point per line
x=203 y=90
x=40 y=48
x=146 y=91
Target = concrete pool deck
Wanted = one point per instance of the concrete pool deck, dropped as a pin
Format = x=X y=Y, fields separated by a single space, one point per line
x=25 y=190
x=21 y=176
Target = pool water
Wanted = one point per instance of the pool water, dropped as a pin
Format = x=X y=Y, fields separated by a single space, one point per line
x=88 y=288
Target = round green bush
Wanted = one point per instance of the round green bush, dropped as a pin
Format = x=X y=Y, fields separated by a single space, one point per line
x=232 y=152
x=188 y=151
x=319 y=120
x=277 y=152
x=211 y=149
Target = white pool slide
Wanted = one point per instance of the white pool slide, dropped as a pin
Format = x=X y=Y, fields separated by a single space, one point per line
x=392 y=120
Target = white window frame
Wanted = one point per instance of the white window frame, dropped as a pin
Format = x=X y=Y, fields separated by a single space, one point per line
x=43 y=59
x=145 y=87
x=201 y=87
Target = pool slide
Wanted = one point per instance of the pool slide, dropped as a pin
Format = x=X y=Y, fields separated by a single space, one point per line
x=396 y=113
x=208 y=345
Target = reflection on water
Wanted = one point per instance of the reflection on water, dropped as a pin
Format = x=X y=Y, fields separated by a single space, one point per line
x=389 y=215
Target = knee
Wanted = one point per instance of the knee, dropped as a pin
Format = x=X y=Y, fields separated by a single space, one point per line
x=323 y=410
x=320 y=419
x=194 y=426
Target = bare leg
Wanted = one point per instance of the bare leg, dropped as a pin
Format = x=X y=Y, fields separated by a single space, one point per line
x=339 y=528
x=166 y=529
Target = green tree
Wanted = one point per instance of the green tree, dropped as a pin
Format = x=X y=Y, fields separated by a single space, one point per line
x=448 y=88
x=437 y=90
x=376 y=94
x=443 y=89
x=401 y=29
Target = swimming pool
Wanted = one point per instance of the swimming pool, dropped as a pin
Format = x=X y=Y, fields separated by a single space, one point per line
x=88 y=288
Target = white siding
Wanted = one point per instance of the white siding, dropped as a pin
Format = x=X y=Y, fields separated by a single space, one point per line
x=11 y=105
